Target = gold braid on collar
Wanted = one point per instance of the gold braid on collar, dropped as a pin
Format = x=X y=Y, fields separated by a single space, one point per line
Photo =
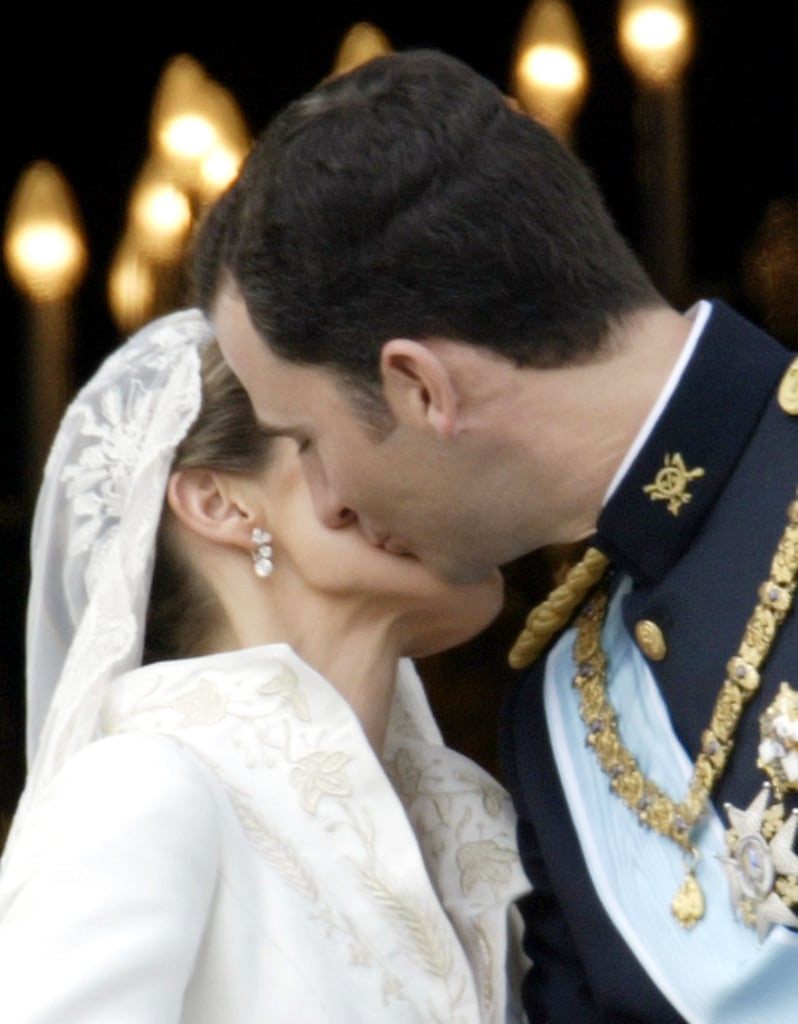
x=548 y=618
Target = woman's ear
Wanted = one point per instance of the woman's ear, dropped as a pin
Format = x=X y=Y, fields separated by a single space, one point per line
x=211 y=505
x=418 y=385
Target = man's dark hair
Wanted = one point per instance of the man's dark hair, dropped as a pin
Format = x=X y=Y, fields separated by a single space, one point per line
x=408 y=199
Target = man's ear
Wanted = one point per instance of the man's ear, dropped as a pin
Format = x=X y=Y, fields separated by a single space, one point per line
x=211 y=505
x=418 y=385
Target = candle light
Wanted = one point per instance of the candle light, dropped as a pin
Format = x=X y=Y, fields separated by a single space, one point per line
x=361 y=43
x=656 y=40
x=180 y=132
x=198 y=141
x=550 y=76
x=197 y=129
x=159 y=212
x=46 y=257
x=131 y=285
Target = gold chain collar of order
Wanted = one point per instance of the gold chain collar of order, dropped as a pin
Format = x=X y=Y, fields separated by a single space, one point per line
x=654 y=809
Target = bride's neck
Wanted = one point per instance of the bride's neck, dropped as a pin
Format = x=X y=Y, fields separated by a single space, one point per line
x=365 y=675
x=354 y=643
x=359 y=658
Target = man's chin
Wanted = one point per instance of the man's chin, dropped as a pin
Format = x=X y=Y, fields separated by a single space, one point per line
x=462 y=574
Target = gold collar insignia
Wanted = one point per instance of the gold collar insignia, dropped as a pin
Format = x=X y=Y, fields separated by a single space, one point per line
x=670 y=483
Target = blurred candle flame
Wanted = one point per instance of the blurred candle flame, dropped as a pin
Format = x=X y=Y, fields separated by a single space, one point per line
x=45 y=250
x=550 y=75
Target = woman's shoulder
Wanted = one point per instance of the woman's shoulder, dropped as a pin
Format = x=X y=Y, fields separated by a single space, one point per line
x=125 y=789
x=139 y=771
x=116 y=864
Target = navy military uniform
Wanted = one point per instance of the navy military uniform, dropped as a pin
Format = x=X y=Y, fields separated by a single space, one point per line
x=692 y=573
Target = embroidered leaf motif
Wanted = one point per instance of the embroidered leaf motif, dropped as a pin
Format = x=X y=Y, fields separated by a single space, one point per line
x=493 y=797
x=425 y=941
x=485 y=861
x=284 y=683
x=392 y=987
x=203 y=704
x=406 y=776
x=276 y=849
x=321 y=773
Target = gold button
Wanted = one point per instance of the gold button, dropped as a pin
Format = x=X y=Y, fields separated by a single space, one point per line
x=652 y=642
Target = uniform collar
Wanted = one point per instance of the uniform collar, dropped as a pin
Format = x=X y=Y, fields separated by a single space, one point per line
x=660 y=504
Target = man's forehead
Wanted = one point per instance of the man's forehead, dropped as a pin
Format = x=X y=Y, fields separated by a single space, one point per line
x=280 y=388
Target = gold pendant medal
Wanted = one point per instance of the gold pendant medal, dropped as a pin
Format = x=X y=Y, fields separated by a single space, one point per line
x=688 y=904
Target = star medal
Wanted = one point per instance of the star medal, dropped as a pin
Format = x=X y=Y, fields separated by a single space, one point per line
x=761 y=867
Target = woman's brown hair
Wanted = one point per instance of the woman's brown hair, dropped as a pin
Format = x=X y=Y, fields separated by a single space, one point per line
x=182 y=611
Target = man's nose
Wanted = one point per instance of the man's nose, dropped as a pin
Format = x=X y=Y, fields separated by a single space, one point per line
x=329 y=510
x=334 y=515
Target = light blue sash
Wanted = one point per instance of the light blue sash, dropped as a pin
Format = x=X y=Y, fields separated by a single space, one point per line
x=718 y=971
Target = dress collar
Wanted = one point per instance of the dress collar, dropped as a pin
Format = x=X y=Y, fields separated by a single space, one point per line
x=677 y=476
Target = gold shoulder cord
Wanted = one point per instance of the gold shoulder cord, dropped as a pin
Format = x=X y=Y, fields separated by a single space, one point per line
x=549 y=617
x=654 y=809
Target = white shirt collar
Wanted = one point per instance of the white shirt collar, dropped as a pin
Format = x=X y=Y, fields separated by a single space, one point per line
x=699 y=314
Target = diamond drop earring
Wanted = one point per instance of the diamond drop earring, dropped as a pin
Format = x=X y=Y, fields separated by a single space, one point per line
x=262 y=552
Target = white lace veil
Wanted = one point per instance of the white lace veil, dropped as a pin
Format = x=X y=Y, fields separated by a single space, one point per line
x=94 y=532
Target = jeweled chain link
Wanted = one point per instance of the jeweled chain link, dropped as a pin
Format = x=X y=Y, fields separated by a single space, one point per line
x=644 y=797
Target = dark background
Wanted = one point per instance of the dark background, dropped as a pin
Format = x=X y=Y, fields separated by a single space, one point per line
x=76 y=90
